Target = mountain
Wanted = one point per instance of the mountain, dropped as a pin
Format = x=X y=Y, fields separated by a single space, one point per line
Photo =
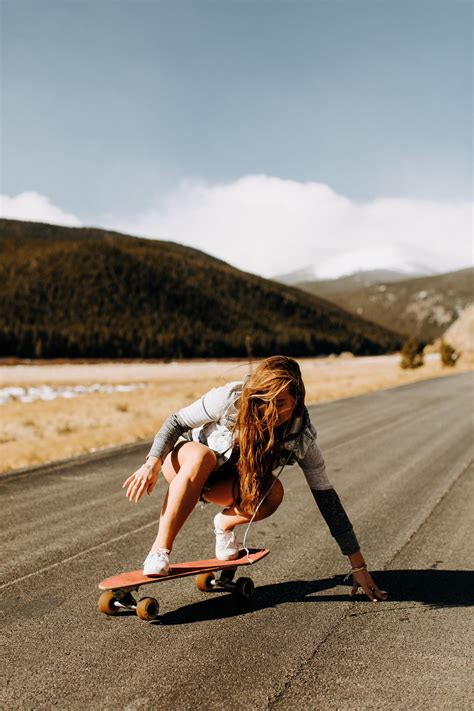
x=370 y=262
x=350 y=281
x=83 y=292
x=461 y=333
x=296 y=277
x=424 y=307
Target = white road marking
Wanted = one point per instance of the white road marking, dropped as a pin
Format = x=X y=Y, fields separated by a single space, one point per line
x=78 y=555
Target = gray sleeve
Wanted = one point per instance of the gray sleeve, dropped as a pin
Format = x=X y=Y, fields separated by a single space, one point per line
x=337 y=520
x=209 y=408
x=166 y=437
x=314 y=468
x=327 y=500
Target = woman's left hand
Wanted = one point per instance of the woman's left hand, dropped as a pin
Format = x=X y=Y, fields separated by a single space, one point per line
x=363 y=579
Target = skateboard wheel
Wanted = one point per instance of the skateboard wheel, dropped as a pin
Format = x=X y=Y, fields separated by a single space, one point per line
x=204 y=582
x=148 y=608
x=244 y=588
x=107 y=603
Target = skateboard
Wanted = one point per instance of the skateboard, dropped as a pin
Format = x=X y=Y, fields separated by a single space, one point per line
x=211 y=575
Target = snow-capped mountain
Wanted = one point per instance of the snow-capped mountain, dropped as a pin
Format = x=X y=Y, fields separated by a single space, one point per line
x=394 y=261
x=390 y=257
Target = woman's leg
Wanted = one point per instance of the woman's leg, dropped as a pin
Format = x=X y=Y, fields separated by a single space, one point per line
x=186 y=469
x=222 y=493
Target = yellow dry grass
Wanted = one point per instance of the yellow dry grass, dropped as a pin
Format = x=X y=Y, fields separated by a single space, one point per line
x=44 y=431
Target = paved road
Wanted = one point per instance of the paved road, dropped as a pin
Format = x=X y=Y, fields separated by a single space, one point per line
x=401 y=461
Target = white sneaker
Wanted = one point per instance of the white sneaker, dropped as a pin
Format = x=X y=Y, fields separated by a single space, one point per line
x=226 y=545
x=157 y=562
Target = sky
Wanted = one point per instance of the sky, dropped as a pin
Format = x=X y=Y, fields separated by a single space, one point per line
x=273 y=134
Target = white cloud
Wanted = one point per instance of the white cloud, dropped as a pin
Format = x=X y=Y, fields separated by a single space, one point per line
x=33 y=207
x=271 y=226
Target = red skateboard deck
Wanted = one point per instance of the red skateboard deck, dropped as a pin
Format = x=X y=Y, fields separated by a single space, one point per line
x=212 y=575
x=135 y=578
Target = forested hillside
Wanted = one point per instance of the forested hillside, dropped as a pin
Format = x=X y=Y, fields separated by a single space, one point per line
x=80 y=292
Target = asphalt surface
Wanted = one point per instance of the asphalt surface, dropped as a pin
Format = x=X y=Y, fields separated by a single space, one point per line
x=401 y=461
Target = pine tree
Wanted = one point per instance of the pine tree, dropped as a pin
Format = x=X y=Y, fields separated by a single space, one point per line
x=449 y=355
x=412 y=354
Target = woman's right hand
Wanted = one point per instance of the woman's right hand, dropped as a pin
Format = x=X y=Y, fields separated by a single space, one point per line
x=144 y=479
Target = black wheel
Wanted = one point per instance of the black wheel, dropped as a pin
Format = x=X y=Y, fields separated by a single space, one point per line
x=148 y=608
x=244 y=588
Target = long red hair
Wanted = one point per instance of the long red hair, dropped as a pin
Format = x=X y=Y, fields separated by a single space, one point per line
x=256 y=431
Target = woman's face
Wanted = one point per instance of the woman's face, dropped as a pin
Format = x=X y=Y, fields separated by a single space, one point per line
x=285 y=404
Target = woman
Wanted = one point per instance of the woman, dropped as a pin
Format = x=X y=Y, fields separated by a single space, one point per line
x=224 y=449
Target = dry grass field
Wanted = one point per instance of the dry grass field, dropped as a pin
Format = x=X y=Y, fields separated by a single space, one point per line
x=41 y=431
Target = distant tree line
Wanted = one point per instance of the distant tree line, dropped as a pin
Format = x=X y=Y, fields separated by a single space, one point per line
x=88 y=293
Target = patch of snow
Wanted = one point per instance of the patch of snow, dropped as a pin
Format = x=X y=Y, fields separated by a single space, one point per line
x=46 y=392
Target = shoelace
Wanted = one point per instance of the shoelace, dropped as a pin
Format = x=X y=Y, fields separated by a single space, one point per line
x=161 y=554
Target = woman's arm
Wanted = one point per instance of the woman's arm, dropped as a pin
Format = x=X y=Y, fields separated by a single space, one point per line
x=209 y=408
x=337 y=520
x=167 y=436
x=327 y=500
x=361 y=578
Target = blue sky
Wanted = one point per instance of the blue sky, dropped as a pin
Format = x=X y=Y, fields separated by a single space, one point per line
x=110 y=107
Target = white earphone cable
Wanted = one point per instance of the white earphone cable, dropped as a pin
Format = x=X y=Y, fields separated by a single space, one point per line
x=244 y=546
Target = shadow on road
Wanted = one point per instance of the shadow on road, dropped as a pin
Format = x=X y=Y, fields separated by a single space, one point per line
x=434 y=588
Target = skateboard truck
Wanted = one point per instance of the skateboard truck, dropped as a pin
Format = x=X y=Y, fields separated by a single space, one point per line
x=223 y=580
x=112 y=601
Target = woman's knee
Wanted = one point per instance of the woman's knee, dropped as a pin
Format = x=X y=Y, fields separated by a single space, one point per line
x=171 y=464
x=199 y=457
x=274 y=499
x=222 y=490
x=269 y=505
x=192 y=459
